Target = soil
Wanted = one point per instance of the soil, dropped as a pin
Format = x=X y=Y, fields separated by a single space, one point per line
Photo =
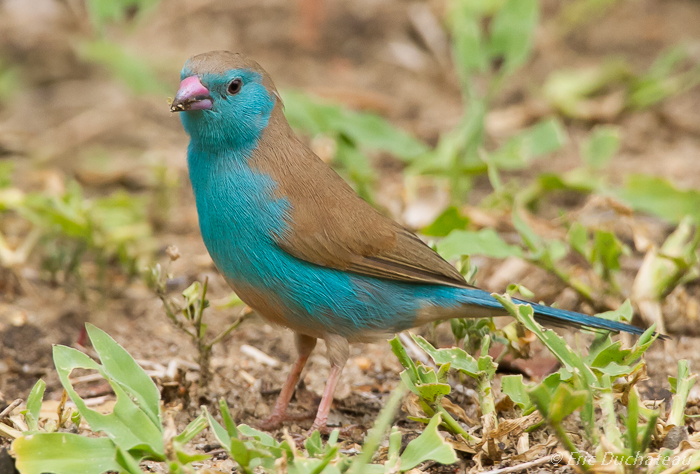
x=71 y=120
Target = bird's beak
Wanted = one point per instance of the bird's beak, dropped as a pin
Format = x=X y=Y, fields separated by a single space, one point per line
x=191 y=95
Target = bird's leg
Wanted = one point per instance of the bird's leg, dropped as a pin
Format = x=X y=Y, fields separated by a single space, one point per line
x=338 y=352
x=305 y=344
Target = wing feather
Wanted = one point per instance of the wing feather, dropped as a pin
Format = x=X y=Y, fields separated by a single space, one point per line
x=330 y=225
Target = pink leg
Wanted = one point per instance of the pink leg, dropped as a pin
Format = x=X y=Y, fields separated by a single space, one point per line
x=337 y=355
x=327 y=400
x=305 y=344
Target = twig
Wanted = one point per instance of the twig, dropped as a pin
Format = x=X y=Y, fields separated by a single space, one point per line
x=414 y=351
x=9 y=408
x=8 y=432
x=259 y=355
x=523 y=466
x=202 y=303
x=246 y=314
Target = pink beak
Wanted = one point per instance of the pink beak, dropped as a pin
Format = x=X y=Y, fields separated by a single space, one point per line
x=191 y=95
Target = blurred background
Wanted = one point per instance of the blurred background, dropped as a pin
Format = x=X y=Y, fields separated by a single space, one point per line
x=556 y=142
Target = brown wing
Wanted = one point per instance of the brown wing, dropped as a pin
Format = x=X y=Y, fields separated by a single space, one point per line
x=330 y=225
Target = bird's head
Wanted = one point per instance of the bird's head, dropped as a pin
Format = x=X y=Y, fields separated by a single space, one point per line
x=225 y=98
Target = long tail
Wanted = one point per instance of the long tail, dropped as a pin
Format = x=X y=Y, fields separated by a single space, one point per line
x=553 y=316
x=561 y=317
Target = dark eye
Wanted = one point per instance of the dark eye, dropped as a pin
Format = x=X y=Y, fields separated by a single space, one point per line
x=234 y=86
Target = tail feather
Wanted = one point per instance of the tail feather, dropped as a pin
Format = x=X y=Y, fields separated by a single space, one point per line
x=561 y=317
x=552 y=316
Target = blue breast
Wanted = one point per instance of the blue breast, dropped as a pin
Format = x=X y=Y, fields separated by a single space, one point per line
x=240 y=216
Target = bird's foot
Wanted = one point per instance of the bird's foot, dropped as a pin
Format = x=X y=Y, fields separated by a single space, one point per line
x=274 y=421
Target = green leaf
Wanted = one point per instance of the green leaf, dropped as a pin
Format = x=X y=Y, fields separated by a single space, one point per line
x=366 y=131
x=606 y=252
x=261 y=436
x=31 y=414
x=568 y=90
x=123 y=369
x=313 y=444
x=103 y=12
x=468 y=49
x=484 y=242
x=429 y=446
x=7 y=167
x=456 y=357
x=228 y=421
x=355 y=163
x=533 y=241
x=614 y=370
x=130 y=424
x=632 y=420
x=660 y=197
x=449 y=220
x=400 y=353
x=624 y=312
x=560 y=404
x=544 y=137
x=601 y=146
x=432 y=392
x=541 y=139
x=219 y=432
x=128 y=463
x=191 y=430
x=570 y=360
x=514 y=387
x=513 y=31
x=65 y=453
x=246 y=454
x=360 y=463
x=663 y=79
x=683 y=383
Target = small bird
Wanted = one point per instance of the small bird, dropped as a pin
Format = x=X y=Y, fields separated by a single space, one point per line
x=297 y=244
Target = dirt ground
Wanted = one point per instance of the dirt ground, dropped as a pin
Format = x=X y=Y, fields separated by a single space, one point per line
x=73 y=120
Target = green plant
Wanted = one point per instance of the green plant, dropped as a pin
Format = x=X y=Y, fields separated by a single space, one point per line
x=595 y=384
x=484 y=58
x=134 y=428
x=67 y=229
x=583 y=382
x=253 y=449
x=189 y=316
x=431 y=386
x=354 y=135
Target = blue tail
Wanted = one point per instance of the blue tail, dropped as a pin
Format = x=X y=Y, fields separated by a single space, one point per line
x=551 y=316
x=561 y=317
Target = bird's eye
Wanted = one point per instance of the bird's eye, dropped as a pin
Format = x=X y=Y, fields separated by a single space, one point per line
x=234 y=86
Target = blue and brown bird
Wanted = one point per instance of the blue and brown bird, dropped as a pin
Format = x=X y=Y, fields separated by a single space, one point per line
x=297 y=244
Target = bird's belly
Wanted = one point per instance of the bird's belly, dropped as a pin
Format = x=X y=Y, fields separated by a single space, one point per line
x=318 y=301
x=240 y=218
x=307 y=298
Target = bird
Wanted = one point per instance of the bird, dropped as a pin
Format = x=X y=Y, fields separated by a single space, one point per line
x=297 y=244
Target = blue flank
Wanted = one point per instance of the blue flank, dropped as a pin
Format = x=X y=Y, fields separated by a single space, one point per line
x=240 y=216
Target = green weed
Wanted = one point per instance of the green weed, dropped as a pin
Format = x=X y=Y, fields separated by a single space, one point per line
x=135 y=431
x=66 y=230
x=134 y=428
x=188 y=316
